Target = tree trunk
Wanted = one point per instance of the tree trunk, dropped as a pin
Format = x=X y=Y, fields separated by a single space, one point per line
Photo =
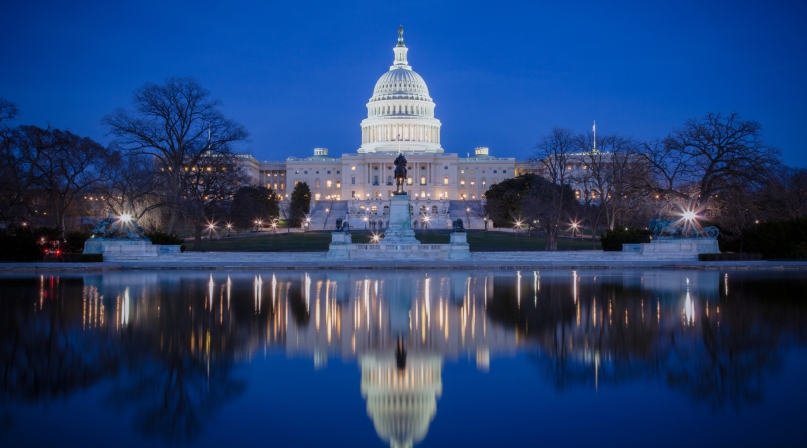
x=197 y=240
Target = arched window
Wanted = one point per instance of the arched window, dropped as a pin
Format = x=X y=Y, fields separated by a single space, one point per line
x=316 y=183
x=434 y=209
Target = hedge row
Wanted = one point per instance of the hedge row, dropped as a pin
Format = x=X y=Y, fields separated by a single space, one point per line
x=612 y=240
x=729 y=256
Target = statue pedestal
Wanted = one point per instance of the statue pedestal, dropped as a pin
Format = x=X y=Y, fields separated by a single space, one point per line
x=675 y=248
x=458 y=248
x=339 y=249
x=121 y=250
x=400 y=222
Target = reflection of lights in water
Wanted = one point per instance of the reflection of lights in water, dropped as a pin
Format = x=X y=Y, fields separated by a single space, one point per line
x=535 y=286
x=229 y=291
x=307 y=292
x=258 y=286
x=726 y=284
x=574 y=286
x=518 y=287
x=689 y=308
x=210 y=291
x=125 y=311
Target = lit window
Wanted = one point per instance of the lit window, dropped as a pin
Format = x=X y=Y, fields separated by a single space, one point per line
x=338 y=184
x=316 y=197
x=327 y=184
x=352 y=168
x=462 y=171
x=445 y=180
x=462 y=181
x=422 y=180
x=472 y=183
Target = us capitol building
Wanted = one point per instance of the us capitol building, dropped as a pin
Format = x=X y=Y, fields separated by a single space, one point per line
x=400 y=118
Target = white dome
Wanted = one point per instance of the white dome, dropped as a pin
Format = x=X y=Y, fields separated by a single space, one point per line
x=400 y=114
x=400 y=84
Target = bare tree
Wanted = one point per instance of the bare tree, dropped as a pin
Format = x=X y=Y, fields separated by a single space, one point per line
x=178 y=124
x=68 y=166
x=20 y=151
x=133 y=187
x=553 y=155
x=8 y=110
x=210 y=187
x=709 y=156
x=784 y=196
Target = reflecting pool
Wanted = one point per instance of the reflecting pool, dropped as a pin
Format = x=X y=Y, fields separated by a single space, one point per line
x=375 y=358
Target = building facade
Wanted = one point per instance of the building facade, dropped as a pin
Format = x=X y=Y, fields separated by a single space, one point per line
x=357 y=186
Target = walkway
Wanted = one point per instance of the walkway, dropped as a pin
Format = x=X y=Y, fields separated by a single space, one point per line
x=479 y=260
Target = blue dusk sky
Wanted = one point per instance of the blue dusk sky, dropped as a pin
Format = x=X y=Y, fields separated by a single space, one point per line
x=298 y=74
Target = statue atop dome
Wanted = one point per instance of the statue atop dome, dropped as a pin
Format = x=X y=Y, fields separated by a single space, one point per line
x=400 y=36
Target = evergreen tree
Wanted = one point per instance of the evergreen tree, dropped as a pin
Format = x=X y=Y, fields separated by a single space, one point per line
x=300 y=203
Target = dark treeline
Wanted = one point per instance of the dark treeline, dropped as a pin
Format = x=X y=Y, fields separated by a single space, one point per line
x=170 y=164
x=717 y=166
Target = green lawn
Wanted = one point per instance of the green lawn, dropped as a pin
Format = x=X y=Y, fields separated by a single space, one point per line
x=318 y=242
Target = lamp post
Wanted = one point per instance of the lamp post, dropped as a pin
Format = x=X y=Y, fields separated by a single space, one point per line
x=210 y=228
x=485 y=218
x=229 y=228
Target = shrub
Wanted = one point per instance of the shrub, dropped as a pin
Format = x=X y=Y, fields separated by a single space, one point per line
x=75 y=242
x=82 y=258
x=729 y=256
x=20 y=245
x=163 y=238
x=778 y=239
x=612 y=240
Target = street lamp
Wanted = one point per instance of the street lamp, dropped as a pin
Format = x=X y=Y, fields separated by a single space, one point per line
x=210 y=227
x=518 y=225
x=365 y=222
x=229 y=228
x=126 y=217
x=485 y=218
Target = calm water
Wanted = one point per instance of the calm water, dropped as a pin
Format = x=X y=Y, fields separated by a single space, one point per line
x=452 y=358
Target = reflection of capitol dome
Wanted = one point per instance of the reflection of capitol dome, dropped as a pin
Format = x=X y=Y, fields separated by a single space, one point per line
x=402 y=404
x=400 y=114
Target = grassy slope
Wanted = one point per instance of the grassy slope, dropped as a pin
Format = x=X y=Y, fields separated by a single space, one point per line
x=318 y=241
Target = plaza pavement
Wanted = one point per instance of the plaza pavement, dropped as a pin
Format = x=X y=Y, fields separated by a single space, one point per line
x=479 y=260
